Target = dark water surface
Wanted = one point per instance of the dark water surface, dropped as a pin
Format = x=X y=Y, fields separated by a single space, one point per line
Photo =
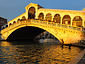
x=29 y=52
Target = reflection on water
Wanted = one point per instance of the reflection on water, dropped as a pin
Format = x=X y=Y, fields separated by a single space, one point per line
x=35 y=53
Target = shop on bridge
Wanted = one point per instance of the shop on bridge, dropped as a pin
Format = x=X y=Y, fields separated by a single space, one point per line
x=48 y=17
x=77 y=21
x=66 y=20
x=57 y=18
x=41 y=16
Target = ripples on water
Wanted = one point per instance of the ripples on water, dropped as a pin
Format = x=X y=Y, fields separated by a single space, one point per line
x=35 y=53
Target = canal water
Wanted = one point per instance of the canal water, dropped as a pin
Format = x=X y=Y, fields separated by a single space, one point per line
x=30 y=52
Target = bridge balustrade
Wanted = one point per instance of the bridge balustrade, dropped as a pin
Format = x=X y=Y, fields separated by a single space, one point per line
x=25 y=22
x=58 y=25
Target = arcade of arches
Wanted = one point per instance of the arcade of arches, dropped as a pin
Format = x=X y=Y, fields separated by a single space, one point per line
x=77 y=21
x=73 y=18
x=68 y=17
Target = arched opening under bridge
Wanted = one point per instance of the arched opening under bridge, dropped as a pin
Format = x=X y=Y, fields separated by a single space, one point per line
x=31 y=13
x=25 y=33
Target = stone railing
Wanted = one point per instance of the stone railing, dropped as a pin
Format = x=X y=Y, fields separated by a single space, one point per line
x=26 y=22
x=58 y=25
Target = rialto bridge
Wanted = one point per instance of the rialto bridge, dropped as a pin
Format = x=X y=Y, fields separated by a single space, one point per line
x=66 y=25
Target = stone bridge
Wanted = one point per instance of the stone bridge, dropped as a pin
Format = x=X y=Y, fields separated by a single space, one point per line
x=24 y=28
x=66 y=25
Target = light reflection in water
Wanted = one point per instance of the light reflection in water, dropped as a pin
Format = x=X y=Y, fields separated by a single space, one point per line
x=29 y=52
x=4 y=43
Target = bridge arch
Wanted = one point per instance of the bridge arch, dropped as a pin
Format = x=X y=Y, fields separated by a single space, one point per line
x=41 y=16
x=31 y=13
x=48 y=17
x=77 y=21
x=66 y=20
x=39 y=27
x=24 y=33
x=57 y=18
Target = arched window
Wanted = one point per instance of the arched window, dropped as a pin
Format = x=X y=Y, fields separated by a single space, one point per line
x=41 y=16
x=14 y=22
x=48 y=17
x=18 y=20
x=10 y=24
x=23 y=18
x=77 y=21
x=57 y=18
x=31 y=13
x=66 y=20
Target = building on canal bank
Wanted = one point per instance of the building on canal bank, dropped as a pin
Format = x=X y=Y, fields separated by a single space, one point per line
x=3 y=21
x=3 y=24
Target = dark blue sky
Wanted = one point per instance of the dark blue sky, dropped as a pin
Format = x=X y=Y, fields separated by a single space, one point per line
x=10 y=9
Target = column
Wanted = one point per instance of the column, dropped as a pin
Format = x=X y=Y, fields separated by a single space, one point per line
x=52 y=17
x=36 y=15
x=83 y=23
x=44 y=17
x=61 y=21
x=71 y=22
x=26 y=13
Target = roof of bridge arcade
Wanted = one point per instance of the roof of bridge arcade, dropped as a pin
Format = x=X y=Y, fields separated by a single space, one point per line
x=41 y=8
x=33 y=4
x=83 y=9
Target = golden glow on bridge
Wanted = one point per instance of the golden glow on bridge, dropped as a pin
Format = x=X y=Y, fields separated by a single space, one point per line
x=60 y=31
x=63 y=24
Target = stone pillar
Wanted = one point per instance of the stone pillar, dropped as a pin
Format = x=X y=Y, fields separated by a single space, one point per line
x=71 y=22
x=74 y=24
x=26 y=13
x=61 y=21
x=52 y=17
x=36 y=15
x=83 y=23
x=44 y=17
